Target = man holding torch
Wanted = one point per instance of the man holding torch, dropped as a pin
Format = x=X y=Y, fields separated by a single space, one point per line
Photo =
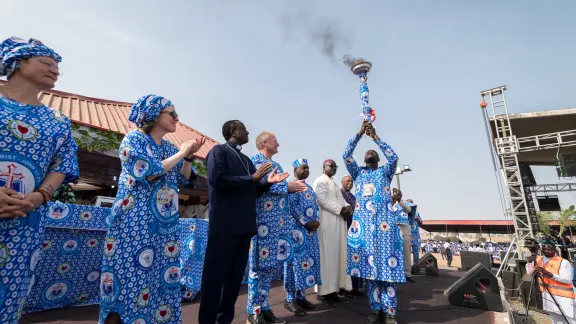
x=374 y=239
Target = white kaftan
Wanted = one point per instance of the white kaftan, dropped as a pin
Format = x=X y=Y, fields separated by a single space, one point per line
x=332 y=235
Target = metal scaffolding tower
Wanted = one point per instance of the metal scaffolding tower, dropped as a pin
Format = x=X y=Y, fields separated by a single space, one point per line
x=521 y=206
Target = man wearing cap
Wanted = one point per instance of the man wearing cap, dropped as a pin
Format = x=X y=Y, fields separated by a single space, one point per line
x=334 y=212
x=303 y=271
x=554 y=276
x=374 y=239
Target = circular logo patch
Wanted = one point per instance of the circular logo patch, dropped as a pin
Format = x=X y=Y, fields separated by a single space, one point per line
x=310 y=280
x=375 y=294
x=86 y=215
x=165 y=207
x=171 y=277
x=128 y=202
x=355 y=257
x=69 y=247
x=268 y=205
x=91 y=243
x=64 y=268
x=309 y=211
x=58 y=211
x=46 y=245
x=285 y=252
x=163 y=313
x=56 y=291
x=110 y=246
x=299 y=239
x=108 y=291
x=143 y=298
x=22 y=130
x=282 y=203
x=262 y=231
x=264 y=253
x=392 y=262
x=355 y=272
x=171 y=249
x=140 y=169
x=145 y=258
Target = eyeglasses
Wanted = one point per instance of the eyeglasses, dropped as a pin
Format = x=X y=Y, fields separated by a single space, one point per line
x=174 y=114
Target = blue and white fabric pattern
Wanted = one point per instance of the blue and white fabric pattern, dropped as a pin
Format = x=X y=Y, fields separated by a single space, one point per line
x=147 y=109
x=382 y=296
x=15 y=49
x=374 y=239
x=141 y=272
x=34 y=141
x=415 y=231
x=272 y=244
x=193 y=238
x=304 y=270
x=299 y=162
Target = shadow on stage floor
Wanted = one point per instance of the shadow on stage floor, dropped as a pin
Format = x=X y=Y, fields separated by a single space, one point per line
x=420 y=302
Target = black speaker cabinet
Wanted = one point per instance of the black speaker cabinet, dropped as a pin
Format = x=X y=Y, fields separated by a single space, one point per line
x=535 y=298
x=478 y=288
x=548 y=203
x=470 y=259
x=510 y=281
x=528 y=179
x=426 y=266
x=567 y=165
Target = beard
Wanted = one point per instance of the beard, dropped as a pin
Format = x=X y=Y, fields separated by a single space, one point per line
x=371 y=160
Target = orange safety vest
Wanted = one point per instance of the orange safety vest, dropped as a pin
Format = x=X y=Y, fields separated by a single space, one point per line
x=555 y=288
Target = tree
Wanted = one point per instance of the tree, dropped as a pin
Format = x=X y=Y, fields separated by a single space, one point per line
x=544 y=219
x=566 y=218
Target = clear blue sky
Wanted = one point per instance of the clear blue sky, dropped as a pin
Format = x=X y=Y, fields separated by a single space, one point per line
x=223 y=59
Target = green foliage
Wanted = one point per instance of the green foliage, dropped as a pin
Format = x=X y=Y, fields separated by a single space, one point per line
x=95 y=139
x=200 y=168
x=566 y=218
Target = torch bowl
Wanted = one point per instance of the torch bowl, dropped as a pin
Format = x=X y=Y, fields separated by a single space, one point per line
x=361 y=67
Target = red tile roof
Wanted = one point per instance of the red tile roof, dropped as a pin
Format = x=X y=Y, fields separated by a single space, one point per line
x=112 y=115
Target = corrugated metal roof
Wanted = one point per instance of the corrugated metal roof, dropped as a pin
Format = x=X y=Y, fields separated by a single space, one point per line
x=112 y=115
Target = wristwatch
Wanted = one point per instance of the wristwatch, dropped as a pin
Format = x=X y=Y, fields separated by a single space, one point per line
x=188 y=159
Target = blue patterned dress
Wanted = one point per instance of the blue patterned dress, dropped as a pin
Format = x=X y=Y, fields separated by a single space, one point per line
x=34 y=141
x=415 y=230
x=140 y=277
x=304 y=270
x=374 y=239
x=272 y=245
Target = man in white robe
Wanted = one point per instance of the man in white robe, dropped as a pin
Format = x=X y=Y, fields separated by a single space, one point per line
x=334 y=212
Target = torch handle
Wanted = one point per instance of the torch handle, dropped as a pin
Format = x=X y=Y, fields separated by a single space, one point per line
x=367 y=112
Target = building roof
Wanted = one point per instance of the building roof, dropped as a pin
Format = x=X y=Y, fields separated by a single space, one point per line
x=530 y=124
x=469 y=226
x=111 y=115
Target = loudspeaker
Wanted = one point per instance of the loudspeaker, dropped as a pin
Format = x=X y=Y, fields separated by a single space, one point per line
x=510 y=282
x=478 y=288
x=528 y=179
x=470 y=259
x=426 y=265
x=548 y=203
x=566 y=165
x=536 y=298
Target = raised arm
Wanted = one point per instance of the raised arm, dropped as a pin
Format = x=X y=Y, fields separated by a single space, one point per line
x=321 y=189
x=349 y=161
x=218 y=175
x=390 y=155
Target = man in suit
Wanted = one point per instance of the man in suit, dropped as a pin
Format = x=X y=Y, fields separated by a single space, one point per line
x=233 y=186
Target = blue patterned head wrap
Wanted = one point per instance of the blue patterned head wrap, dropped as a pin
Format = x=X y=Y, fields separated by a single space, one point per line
x=548 y=240
x=299 y=162
x=14 y=49
x=147 y=109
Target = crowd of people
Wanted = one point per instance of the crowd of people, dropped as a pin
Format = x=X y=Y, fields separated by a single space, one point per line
x=337 y=240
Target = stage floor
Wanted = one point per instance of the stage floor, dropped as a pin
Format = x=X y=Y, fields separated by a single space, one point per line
x=420 y=302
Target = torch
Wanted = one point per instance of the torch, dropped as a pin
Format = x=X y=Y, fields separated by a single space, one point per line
x=360 y=67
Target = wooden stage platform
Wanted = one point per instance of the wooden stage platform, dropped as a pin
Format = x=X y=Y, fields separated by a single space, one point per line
x=420 y=302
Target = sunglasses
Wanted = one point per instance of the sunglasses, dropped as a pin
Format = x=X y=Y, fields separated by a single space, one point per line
x=174 y=114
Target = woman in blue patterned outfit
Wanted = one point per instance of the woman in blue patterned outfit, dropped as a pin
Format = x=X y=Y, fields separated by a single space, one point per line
x=374 y=239
x=140 y=279
x=37 y=154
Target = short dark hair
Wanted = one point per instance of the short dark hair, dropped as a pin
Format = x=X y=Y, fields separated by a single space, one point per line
x=228 y=127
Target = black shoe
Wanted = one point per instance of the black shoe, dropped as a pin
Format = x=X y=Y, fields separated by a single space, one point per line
x=357 y=293
x=346 y=294
x=409 y=279
x=326 y=300
x=339 y=299
x=305 y=304
x=271 y=318
x=294 y=308
x=255 y=319
x=390 y=319
x=375 y=317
